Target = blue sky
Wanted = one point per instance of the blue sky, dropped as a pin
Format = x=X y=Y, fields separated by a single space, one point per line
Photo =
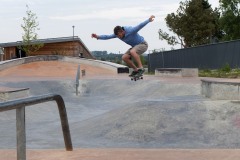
x=56 y=19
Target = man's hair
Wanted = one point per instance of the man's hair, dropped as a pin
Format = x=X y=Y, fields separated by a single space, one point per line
x=117 y=29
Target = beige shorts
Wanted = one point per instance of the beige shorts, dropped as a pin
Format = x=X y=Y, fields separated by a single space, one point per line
x=140 y=48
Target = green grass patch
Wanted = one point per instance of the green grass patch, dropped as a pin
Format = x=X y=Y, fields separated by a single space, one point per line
x=224 y=72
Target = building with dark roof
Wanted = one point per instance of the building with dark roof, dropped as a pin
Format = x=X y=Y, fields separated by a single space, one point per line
x=66 y=46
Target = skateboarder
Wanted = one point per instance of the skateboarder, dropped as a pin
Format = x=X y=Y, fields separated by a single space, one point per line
x=130 y=36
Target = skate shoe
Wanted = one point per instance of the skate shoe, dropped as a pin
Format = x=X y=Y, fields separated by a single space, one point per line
x=133 y=73
x=141 y=71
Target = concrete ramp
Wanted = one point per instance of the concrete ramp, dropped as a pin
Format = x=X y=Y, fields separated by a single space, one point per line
x=122 y=113
x=117 y=68
x=165 y=125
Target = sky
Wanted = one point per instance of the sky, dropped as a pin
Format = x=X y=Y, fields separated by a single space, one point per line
x=57 y=17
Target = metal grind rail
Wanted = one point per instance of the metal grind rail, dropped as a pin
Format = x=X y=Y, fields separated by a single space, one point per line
x=77 y=79
x=20 y=105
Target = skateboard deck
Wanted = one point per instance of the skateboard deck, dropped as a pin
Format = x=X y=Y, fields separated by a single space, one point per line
x=137 y=77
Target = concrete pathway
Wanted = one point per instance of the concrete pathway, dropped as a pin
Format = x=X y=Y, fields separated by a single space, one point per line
x=126 y=154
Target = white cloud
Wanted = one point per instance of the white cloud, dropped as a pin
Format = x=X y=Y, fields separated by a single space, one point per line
x=131 y=13
x=111 y=14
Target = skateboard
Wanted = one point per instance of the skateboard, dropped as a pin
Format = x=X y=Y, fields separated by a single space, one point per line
x=137 y=77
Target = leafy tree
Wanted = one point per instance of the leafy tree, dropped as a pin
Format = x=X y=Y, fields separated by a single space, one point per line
x=230 y=18
x=29 y=37
x=115 y=58
x=143 y=60
x=194 y=23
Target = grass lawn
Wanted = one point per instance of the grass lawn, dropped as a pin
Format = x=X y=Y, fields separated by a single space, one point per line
x=224 y=72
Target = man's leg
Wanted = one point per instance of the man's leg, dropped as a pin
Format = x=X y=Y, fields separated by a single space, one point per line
x=127 y=59
x=136 y=56
x=135 y=52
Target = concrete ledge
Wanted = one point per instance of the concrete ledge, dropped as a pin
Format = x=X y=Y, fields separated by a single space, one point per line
x=7 y=93
x=103 y=64
x=220 y=89
x=176 y=72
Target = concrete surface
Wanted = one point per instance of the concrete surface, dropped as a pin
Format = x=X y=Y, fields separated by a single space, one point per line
x=7 y=93
x=176 y=72
x=220 y=89
x=117 y=68
x=122 y=113
x=154 y=118
x=126 y=154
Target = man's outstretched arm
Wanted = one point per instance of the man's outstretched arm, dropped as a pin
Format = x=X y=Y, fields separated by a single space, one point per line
x=141 y=25
x=103 y=37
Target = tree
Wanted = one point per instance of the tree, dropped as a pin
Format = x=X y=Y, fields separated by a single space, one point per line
x=230 y=19
x=195 y=23
x=30 y=42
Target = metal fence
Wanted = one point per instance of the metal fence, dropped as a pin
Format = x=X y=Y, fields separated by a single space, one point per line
x=212 y=56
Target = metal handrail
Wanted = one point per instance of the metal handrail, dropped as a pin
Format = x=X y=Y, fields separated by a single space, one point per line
x=20 y=105
x=77 y=79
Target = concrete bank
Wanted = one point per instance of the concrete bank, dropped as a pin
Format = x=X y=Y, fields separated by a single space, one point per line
x=107 y=65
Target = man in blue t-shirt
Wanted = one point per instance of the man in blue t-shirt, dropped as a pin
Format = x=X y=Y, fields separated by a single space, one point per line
x=130 y=36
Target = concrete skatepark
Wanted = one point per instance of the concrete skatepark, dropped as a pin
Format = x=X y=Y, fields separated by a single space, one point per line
x=153 y=115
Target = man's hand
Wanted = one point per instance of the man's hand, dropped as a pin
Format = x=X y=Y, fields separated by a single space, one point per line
x=94 y=36
x=151 y=18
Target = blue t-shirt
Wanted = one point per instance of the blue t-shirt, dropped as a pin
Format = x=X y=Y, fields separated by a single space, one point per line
x=131 y=36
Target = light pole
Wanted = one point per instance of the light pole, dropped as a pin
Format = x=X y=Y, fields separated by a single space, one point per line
x=73 y=39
